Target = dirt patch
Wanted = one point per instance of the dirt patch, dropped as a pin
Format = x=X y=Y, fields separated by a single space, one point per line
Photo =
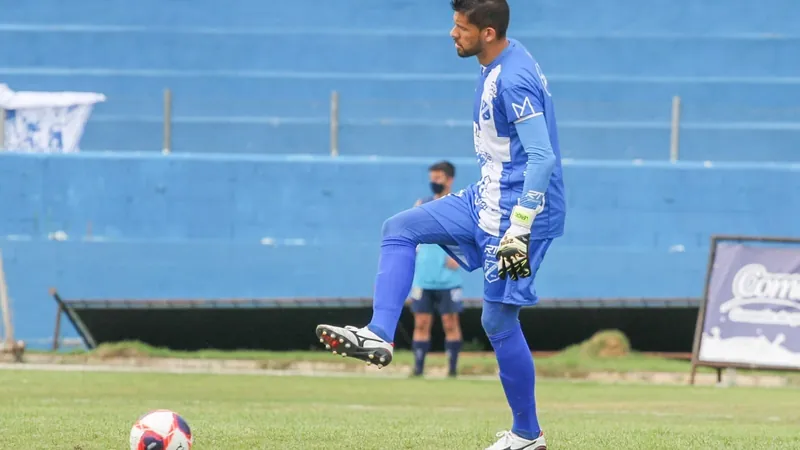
x=606 y=344
x=108 y=352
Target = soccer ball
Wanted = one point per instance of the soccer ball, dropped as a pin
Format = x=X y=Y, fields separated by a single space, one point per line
x=161 y=430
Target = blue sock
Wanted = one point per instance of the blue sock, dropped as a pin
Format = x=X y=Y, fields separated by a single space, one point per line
x=515 y=361
x=420 y=349
x=401 y=234
x=452 y=348
x=392 y=285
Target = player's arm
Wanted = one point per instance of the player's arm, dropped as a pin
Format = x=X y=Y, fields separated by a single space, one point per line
x=523 y=108
x=535 y=139
x=524 y=111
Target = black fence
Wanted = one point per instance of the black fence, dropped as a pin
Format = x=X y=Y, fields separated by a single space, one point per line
x=286 y=324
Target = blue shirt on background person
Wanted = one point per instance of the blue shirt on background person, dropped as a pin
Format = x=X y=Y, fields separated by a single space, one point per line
x=436 y=286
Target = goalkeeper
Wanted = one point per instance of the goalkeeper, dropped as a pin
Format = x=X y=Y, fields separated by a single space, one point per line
x=503 y=223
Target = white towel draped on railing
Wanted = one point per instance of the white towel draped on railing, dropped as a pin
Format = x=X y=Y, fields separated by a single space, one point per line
x=45 y=121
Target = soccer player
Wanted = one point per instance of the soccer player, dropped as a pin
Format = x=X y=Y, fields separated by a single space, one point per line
x=505 y=222
x=437 y=285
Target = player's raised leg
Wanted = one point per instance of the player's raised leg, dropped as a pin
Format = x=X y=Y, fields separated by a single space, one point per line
x=401 y=234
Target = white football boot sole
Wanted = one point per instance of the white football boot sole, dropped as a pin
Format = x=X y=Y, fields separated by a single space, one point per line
x=359 y=343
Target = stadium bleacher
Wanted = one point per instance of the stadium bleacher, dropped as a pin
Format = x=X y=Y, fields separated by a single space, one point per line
x=252 y=83
x=257 y=78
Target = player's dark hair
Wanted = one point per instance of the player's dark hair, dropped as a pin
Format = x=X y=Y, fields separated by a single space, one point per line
x=485 y=14
x=444 y=166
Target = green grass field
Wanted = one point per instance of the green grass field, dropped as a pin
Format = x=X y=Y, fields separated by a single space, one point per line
x=90 y=410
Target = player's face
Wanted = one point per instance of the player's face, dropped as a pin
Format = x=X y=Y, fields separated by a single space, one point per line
x=468 y=38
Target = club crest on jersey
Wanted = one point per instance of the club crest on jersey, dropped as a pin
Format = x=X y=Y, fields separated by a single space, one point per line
x=484 y=157
x=488 y=94
x=486 y=110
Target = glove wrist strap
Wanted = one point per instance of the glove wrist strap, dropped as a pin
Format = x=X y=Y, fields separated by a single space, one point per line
x=522 y=216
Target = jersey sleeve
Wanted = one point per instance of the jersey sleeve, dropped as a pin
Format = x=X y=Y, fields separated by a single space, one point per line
x=520 y=103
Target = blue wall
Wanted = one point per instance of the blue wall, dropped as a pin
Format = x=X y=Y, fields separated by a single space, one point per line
x=251 y=76
x=549 y=16
x=253 y=79
x=151 y=226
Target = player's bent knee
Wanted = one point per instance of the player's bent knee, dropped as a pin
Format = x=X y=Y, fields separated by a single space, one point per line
x=412 y=225
x=390 y=227
x=497 y=318
x=396 y=226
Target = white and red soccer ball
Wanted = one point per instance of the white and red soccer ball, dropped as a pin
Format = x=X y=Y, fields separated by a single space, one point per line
x=161 y=430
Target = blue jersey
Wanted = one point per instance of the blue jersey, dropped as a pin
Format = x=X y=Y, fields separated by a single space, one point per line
x=431 y=271
x=512 y=89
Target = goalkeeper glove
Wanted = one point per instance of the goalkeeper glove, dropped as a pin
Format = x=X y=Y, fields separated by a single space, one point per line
x=512 y=254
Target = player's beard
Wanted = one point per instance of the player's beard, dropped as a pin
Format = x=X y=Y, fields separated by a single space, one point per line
x=465 y=52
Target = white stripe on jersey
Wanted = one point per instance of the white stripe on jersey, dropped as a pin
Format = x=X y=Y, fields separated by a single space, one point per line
x=492 y=152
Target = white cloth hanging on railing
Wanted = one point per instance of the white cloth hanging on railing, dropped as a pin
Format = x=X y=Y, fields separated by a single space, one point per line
x=45 y=121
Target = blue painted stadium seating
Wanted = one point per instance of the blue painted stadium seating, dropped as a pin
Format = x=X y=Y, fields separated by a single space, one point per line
x=252 y=80
x=256 y=77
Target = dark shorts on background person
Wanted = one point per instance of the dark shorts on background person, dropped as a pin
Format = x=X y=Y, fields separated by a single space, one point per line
x=443 y=301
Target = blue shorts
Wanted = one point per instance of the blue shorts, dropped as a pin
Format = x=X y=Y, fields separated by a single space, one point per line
x=444 y=301
x=474 y=248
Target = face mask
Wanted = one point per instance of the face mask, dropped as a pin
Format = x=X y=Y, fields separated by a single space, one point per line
x=437 y=188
